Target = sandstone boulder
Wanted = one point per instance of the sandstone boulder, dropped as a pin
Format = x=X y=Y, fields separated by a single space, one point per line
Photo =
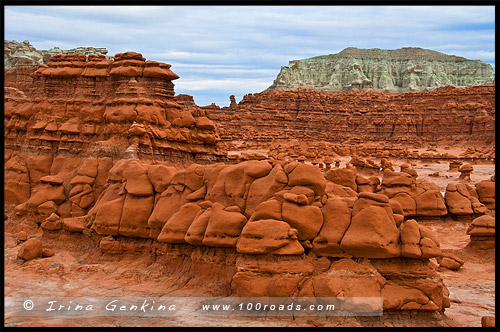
x=429 y=243
x=264 y=188
x=204 y=123
x=107 y=211
x=407 y=203
x=16 y=181
x=44 y=193
x=333 y=190
x=307 y=176
x=196 y=231
x=160 y=176
x=170 y=201
x=224 y=227
x=430 y=204
x=232 y=184
x=52 y=223
x=342 y=176
x=393 y=179
x=336 y=220
x=372 y=232
x=76 y=225
x=47 y=208
x=268 y=236
x=134 y=216
x=458 y=200
x=410 y=239
x=178 y=224
x=46 y=252
x=307 y=219
x=465 y=171
x=21 y=236
x=137 y=181
x=486 y=192
x=450 y=262
x=482 y=232
x=400 y=297
x=488 y=321
x=270 y=209
x=31 y=249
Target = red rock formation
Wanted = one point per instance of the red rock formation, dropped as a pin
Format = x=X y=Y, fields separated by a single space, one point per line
x=89 y=151
x=417 y=198
x=19 y=77
x=266 y=214
x=322 y=150
x=450 y=262
x=486 y=192
x=445 y=114
x=462 y=201
x=77 y=104
x=482 y=232
x=31 y=249
x=269 y=215
x=79 y=108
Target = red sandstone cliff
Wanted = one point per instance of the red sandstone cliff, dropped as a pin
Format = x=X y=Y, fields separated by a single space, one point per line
x=447 y=114
x=99 y=106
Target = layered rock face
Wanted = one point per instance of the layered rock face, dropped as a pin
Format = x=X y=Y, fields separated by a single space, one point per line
x=80 y=105
x=405 y=69
x=482 y=232
x=22 y=54
x=447 y=114
x=22 y=58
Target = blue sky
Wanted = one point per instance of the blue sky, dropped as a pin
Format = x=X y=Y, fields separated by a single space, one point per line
x=222 y=50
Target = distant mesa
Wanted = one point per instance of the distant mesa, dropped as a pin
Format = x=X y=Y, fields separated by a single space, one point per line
x=23 y=54
x=401 y=70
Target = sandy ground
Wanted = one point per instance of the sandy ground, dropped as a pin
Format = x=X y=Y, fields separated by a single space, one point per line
x=472 y=287
x=81 y=272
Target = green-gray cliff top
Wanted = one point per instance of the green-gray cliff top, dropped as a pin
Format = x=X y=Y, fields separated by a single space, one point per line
x=401 y=70
x=405 y=53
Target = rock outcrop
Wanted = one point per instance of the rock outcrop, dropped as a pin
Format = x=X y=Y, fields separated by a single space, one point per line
x=22 y=58
x=482 y=232
x=447 y=114
x=273 y=222
x=417 y=198
x=450 y=262
x=31 y=249
x=486 y=192
x=401 y=70
x=23 y=54
x=278 y=222
x=462 y=201
x=80 y=105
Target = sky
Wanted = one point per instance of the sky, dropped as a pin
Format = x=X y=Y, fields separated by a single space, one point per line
x=220 y=51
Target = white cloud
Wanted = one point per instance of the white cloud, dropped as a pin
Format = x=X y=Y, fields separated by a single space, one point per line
x=475 y=55
x=238 y=85
x=221 y=70
x=223 y=50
